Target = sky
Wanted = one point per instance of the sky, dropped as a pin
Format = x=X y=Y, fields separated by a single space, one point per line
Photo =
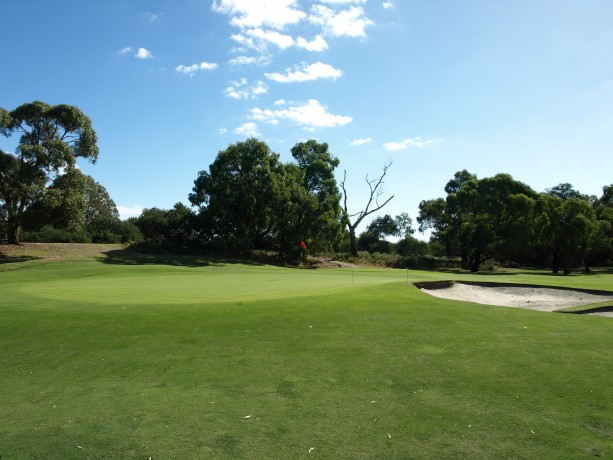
x=521 y=87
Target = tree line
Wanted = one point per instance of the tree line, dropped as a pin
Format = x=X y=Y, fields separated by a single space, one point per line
x=248 y=199
x=499 y=218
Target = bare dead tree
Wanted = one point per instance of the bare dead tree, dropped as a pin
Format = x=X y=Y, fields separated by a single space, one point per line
x=376 y=191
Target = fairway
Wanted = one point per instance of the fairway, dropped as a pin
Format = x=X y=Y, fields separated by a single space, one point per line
x=217 y=359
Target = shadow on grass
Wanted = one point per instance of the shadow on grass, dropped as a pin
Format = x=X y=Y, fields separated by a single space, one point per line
x=589 y=311
x=131 y=257
x=461 y=271
x=443 y=284
x=4 y=259
x=524 y=271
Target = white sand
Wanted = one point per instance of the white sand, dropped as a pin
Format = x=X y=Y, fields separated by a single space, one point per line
x=534 y=298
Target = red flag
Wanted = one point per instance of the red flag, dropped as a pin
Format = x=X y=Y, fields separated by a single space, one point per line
x=303 y=245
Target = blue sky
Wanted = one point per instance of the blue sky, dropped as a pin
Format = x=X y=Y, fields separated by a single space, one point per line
x=521 y=87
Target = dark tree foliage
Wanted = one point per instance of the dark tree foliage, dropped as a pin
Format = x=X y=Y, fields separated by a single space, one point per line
x=373 y=238
x=481 y=219
x=601 y=250
x=446 y=219
x=238 y=195
x=50 y=138
x=169 y=229
x=249 y=200
x=322 y=226
x=74 y=204
x=567 y=224
x=565 y=191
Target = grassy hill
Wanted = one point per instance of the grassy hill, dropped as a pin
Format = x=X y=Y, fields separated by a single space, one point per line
x=110 y=354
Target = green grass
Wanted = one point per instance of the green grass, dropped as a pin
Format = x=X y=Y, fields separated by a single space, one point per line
x=147 y=358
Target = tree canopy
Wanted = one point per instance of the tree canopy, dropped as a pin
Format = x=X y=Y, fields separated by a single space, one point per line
x=481 y=218
x=51 y=138
x=248 y=199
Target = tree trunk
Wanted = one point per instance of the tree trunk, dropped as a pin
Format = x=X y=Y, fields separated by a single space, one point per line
x=353 y=242
x=14 y=222
x=555 y=263
x=586 y=265
x=13 y=233
x=463 y=256
x=567 y=269
x=474 y=266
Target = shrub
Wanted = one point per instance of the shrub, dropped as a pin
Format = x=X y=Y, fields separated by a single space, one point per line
x=49 y=234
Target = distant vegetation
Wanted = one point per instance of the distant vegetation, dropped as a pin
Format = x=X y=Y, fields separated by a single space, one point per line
x=248 y=200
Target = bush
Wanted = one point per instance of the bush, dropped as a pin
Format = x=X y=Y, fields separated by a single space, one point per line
x=49 y=234
x=430 y=262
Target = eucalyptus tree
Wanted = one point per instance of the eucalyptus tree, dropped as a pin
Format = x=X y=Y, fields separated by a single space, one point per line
x=602 y=247
x=76 y=203
x=166 y=228
x=238 y=195
x=373 y=238
x=446 y=217
x=568 y=226
x=486 y=218
x=322 y=214
x=51 y=138
x=295 y=213
x=249 y=199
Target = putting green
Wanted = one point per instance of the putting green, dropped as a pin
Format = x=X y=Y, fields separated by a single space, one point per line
x=180 y=285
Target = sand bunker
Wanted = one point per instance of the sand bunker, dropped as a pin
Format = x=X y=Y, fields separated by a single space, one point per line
x=519 y=296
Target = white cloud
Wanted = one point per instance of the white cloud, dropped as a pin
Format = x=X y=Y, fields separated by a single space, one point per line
x=126 y=212
x=240 y=89
x=223 y=130
x=260 y=39
x=305 y=72
x=342 y=2
x=244 y=40
x=317 y=44
x=276 y=14
x=280 y=102
x=357 y=142
x=388 y=5
x=143 y=53
x=190 y=70
x=350 y=22
x=154 y=16
x=248 y=129
x=264 y=37
x=310 y=116
x=126 y=50
x=250 y=60
x=416 y=142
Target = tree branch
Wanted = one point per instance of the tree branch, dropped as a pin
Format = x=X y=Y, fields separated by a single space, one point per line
x=375 y=192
